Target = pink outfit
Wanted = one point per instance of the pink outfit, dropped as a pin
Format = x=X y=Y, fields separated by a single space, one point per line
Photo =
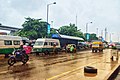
x=28 y=49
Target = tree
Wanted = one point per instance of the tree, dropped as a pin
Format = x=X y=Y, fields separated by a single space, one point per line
x=33 y=28
x=70 y=30
x=91 y=37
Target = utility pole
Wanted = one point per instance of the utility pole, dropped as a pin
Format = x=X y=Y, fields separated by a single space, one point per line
x=102 y=33
x=51 y=24
x=76 y=19
x=97 y=32
x=48 y=26
x=110 y=38
x=105 y=34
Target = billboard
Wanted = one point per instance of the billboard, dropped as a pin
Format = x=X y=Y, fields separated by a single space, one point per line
x=48 y=29
x=88 y=36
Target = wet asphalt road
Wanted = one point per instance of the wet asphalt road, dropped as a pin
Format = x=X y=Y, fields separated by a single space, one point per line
x=46 y=67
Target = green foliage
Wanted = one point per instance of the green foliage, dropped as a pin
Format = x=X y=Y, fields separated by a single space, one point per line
x=33 y=29
x=53 y=31
x=70 y=30
x=91 y=37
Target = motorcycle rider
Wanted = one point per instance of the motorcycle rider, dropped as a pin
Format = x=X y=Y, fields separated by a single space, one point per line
x=23 y=52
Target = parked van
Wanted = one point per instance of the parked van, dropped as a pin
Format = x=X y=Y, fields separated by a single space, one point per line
x=46 y=45
x=9 y=43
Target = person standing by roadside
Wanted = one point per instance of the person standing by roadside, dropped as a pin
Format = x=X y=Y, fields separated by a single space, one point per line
x=54 y=48
x=71 y=48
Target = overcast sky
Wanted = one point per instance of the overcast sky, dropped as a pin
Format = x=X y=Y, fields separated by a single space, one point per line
x=102 y=13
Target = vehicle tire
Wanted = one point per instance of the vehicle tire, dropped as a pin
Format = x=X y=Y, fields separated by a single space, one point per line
x=89 y=69
x=56 y=51
x=102 y=50
x=92 y=50
x=25 y=59
x=95 y=50
x=46 y=52
x=37 y=53
x=99 y=50
x=11 y=61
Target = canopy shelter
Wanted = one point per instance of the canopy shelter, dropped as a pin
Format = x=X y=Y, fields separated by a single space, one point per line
x=64 y=39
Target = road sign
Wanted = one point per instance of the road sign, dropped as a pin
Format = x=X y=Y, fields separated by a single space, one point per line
x=48 y=29
x=88 y=36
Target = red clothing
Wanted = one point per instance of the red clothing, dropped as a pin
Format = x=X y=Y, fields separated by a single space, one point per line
x=28 y=49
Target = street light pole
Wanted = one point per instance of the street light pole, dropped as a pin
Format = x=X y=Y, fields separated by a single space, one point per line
x=110 y=37
x=47 y=12
x=87 y=27
x=97 y=32
x=52 y=24
x=48 y=9
x=48 y=27
x=111 y=34
x=87 y=35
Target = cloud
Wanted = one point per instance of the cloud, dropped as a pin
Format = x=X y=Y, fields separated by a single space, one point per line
x=103 y=13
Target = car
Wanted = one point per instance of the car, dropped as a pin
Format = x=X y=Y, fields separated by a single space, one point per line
x=110 y=45
x=82 y=45
x=117 y=45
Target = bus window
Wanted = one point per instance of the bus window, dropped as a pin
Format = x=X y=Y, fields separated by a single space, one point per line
x=56 y=43
x=16 y=42
x=52 y=43
x=7 y=42
x=45 y=43
x=38 y=43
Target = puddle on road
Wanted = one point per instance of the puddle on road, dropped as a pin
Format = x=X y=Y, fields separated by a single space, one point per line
x=20 y=68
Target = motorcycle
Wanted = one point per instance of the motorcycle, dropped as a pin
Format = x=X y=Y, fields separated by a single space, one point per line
x=18 y=56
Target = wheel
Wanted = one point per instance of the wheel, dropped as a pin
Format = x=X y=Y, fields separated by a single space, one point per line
x=46 y=52
x=25 y=59
x=11 y=61
x=37 y=53
x=102 y=50
x=93 y=50
x=56 y=51
x=99 y=50
x=89 y=69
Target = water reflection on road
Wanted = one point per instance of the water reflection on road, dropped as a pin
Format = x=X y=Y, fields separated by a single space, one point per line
x=45 y=67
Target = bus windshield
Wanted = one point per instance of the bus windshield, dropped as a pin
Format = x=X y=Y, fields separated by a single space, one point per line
x=38 y=43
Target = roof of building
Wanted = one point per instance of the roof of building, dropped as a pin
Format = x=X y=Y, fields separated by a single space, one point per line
x=66 y=37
